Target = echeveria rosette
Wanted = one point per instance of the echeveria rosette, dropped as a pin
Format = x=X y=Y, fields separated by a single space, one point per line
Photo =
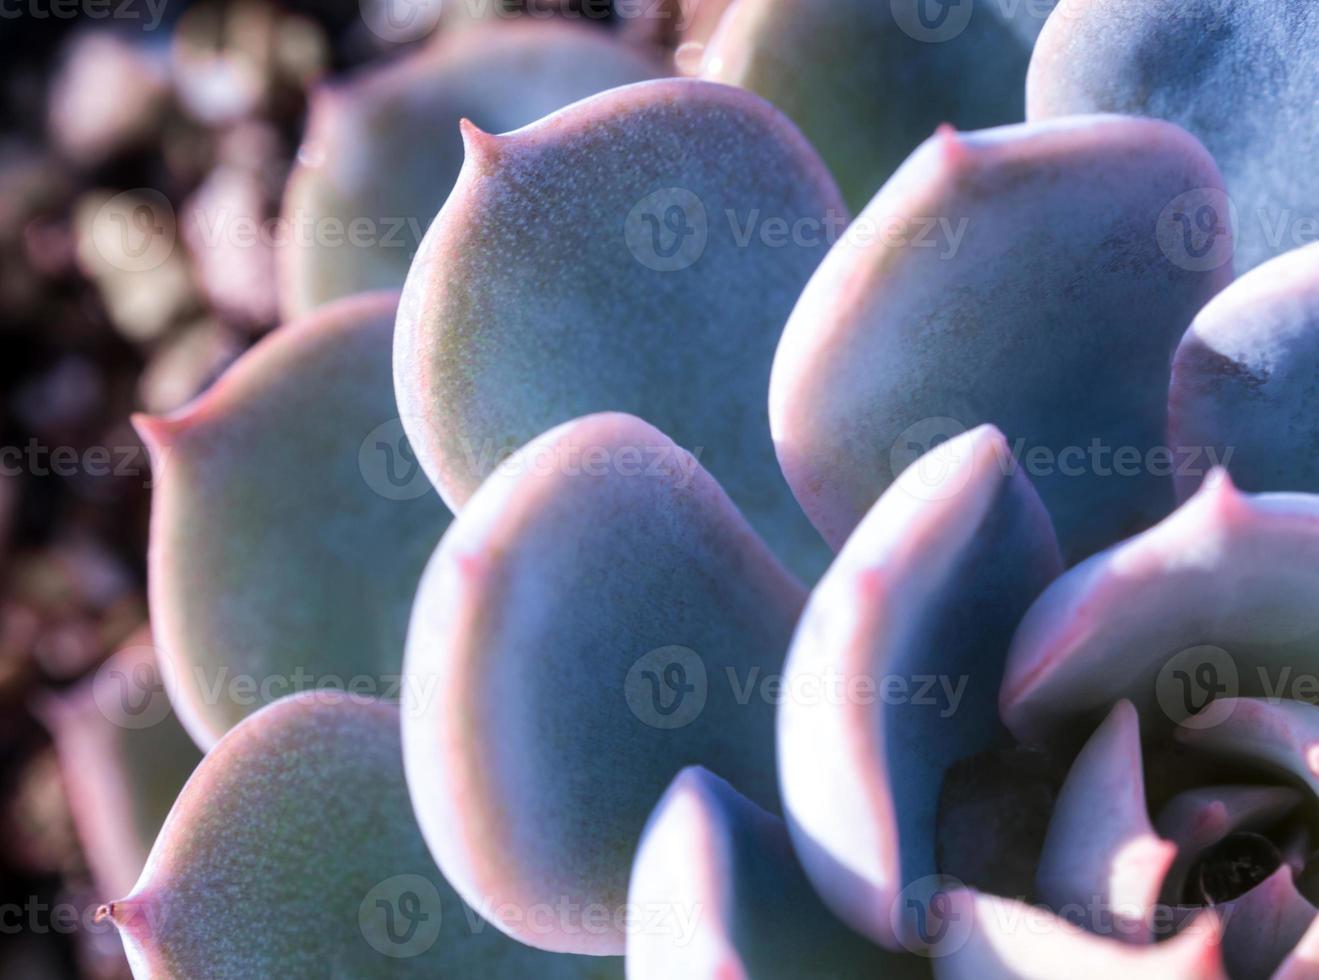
x=289 y=522
x=1240 y=76
x=382 y=151
x=617 y=256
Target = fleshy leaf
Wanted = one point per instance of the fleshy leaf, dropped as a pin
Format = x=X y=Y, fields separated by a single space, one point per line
x=382 y=151
x=713 y=856
x=902 y=645
x=638 y=251
x=123 y=758
x=868 y=81
x=1303 y=961
x=1263 y=926
x=992 y=938
x=289 y=523
x=1218 y=599
x=1282 y=735
x=1198 y=819
x=1240 y=76
x=1012 y=276
x=598 y=617
x=292 y=852
x=1101 y=855
x=1243 y=378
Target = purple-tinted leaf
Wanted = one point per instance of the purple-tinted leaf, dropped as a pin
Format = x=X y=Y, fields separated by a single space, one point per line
x=1263 y=926
x=1280 y=736
x=894 y=671
x=1015 y=276
x=1243 y=381
x=289 y=522
x=293 y=852
x=1102 y=859
x=382 y=150
x=1216 y=600
x=1197 y=819
x=868 y=81
x=638 y=251
x=598 y=617
x=1240 y=76
x=1303 y=961
x=716 y=878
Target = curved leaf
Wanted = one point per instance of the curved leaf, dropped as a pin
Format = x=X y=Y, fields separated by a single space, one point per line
x=382 y=150
x=289 y=522
x=638 y=251
x=598 y=617
x=292 y=852
x=716 y=877
x=1243 y=379
x=868 y=81
x=1263 y=926
x=1016 y=277
x=1216 y=600
x=894 y=670
x=1101 y=857
x=1240 y=76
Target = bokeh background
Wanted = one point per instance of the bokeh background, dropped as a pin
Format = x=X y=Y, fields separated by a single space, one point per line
x=121 y=116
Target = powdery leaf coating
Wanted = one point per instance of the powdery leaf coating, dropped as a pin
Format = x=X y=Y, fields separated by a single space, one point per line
x=1245 y=381
x=1001 y=939
x=638 y=251
x=289 y=523
x=1216 y=600
x=894 y=672
x=1101 y=855
x=1197 y=819
x=1240 y=76
x=382 y=150
x=123 y=759
x=712 y=855
x=1264 y=925
x=292 y=852
x=867 y=81
x=1012 y=276
x=598 y=617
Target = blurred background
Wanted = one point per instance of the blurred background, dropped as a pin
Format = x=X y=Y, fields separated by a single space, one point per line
x=119 y=117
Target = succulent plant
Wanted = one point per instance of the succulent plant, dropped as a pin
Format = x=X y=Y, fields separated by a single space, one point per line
x=682 y=577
